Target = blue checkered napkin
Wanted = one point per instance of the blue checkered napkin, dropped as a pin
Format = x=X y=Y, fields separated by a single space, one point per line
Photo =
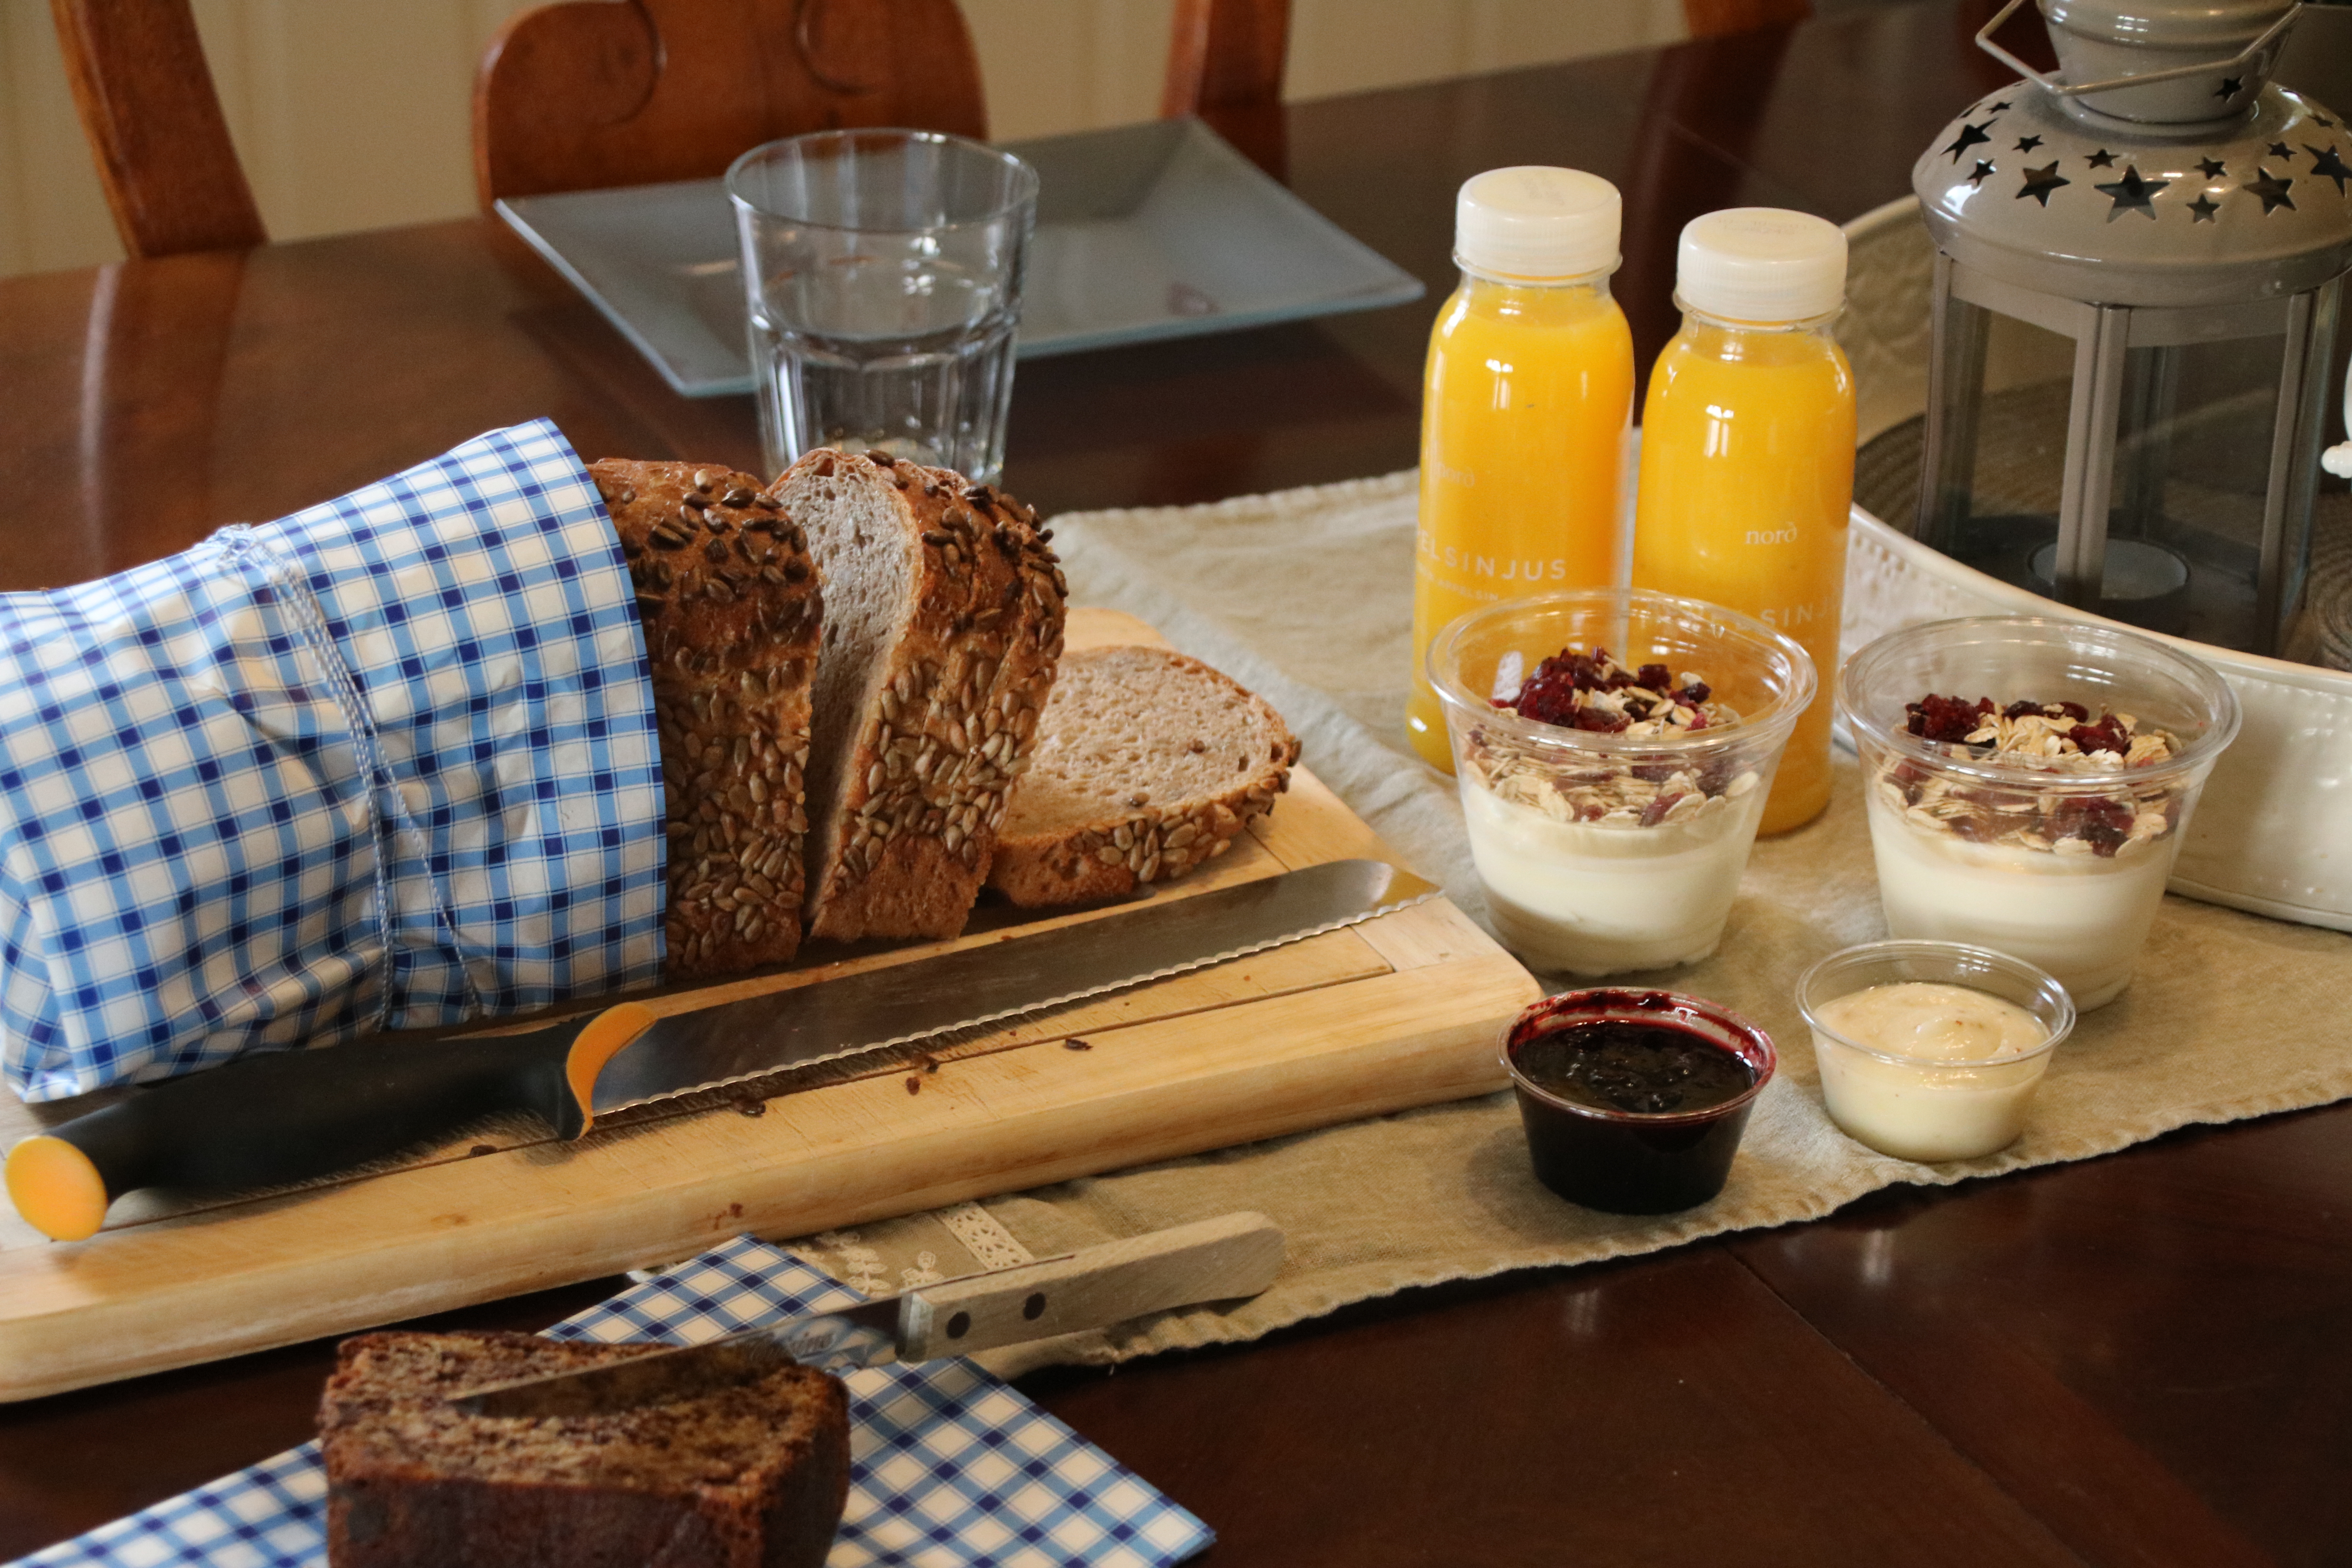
x=948 y=1468
x=385 y=763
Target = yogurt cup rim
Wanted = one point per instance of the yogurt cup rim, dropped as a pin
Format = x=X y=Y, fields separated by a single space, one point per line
x=1715 y=1012
x=1759 y=728
x=2197 y=754
x=2044 y=983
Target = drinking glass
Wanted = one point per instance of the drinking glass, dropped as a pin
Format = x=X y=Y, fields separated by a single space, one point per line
x=883 y=273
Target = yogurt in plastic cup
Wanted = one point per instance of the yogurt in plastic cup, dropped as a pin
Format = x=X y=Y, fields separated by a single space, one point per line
x=1885 y=1081
x=1606 y=852
x=2044 y=858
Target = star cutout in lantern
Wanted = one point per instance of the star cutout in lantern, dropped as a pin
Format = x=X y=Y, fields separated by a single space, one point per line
x=2281 y=150
x=2325 y=164
x=2212 y=168
x=2204 y=207
x=2322 y=122
x=1982 y=169
x=2028 y=143
x=2132 y=194
x=2102 y=159
x=2040 y=182
x=1996 y=108
x=1970 y=136
x=2229 y=86
x=2272 y=189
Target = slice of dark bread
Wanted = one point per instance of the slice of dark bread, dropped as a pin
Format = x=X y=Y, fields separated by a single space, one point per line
x=1147 y=764
x=729 y=600
x=749 y=1476
x=943 y=620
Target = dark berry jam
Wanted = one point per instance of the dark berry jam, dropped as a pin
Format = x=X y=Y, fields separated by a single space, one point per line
x=1646 y=1069
x=1634 y=1101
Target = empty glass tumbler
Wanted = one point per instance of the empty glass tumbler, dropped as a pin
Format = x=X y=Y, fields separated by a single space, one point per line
x=883 y=273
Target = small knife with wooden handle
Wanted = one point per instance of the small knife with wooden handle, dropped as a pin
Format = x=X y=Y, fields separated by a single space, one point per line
x=1219 y=1259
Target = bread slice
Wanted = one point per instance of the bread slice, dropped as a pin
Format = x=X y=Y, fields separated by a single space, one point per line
x=730 y=603
x=1147 y=764
x=943 y=621
x=749 y=1476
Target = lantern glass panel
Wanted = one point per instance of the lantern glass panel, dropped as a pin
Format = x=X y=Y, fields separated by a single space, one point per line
x=2187 y=484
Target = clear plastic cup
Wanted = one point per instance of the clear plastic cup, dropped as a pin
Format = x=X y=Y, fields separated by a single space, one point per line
x=1995 y=850
x=1602 y=853
x=1923 y=1107
x=1633 y=1161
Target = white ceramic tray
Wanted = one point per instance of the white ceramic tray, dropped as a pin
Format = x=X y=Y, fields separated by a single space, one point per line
x=1157 y=230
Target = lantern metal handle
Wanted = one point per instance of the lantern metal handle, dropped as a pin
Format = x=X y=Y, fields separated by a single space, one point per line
x=2062 y=90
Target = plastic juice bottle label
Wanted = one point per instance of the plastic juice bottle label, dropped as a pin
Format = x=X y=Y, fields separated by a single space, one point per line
x=1524 y=415
x=1747 y=483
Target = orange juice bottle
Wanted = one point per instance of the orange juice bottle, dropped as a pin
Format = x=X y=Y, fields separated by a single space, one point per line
x=1747 y=453
x=1524 y=410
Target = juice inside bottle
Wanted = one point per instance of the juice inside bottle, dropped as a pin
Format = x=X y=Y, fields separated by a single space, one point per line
x=1746 y=473
x=1523 y=412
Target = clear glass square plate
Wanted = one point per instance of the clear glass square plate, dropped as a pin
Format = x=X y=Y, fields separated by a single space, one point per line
x=1157 y=230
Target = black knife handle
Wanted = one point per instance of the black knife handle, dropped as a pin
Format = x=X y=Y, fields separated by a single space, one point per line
x=290 y=1116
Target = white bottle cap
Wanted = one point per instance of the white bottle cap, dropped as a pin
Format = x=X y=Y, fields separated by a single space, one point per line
x=1762 y=264
x=1536 y=223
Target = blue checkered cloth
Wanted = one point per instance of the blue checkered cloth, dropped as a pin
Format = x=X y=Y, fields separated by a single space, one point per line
x=386 y=763
x=948 y=1468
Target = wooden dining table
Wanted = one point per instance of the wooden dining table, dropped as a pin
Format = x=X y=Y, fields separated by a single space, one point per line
x=2144 y=1359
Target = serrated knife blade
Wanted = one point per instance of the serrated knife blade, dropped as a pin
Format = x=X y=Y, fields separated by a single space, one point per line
x=688 y=1053
x=289 y=1117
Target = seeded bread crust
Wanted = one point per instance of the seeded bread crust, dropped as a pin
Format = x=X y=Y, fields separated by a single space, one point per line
x=730 y=603
x=1133 y=839
x=906 y=814
x=749 y=1476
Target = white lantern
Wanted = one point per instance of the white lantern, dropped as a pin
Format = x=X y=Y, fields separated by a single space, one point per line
x=2139 y=270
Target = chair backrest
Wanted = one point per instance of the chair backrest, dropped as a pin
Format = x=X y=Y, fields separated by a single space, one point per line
x=147 y=104
x=614 y=92
x=1714 y=18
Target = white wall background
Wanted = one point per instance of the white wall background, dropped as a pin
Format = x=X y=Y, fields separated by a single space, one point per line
x=353 y=113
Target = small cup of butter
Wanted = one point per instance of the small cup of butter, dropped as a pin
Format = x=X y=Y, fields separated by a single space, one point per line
x=1931 y=1050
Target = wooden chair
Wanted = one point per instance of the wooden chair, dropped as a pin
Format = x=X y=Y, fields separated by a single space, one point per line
x=1716 y=18
x=614 y=92
x=147 y=103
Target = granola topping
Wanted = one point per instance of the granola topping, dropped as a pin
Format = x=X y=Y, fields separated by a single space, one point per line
x=2056 y=738
x=1592 y=692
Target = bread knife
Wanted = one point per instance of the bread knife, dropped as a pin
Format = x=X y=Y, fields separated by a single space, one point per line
x=1234 y=1256
x=287 y=1116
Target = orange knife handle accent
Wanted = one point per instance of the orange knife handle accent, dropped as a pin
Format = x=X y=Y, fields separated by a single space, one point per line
x=291 y=1116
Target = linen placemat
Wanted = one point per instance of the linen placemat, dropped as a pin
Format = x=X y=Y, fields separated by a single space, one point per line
x=1306 y=597
x=949 y=1468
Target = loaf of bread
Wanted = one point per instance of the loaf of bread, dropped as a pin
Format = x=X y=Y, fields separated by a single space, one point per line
x=942 y=624
x=749 y=1476
x=730 y=600
x=1147 y=764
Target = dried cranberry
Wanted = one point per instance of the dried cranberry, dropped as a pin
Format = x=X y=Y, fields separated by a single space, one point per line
x=1655 y=677
x=1946 y=720
x=2105 y=824
x=1695 y=693
x=2073 y=710
x=2022 y=709
x=2107 y=735
x=1655 y=812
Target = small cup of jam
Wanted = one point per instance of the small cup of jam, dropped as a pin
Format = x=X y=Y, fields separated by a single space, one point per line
x=1634 y=1101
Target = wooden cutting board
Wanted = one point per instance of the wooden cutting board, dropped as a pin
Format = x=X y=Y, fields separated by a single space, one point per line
x=1404 y=1010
